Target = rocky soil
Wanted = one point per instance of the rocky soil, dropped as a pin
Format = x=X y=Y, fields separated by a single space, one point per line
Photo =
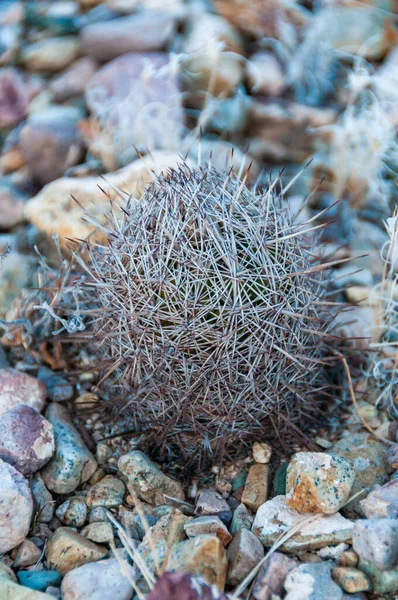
x=97 y=98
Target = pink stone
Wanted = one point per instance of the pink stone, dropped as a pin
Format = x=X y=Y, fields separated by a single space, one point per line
x=17 y=388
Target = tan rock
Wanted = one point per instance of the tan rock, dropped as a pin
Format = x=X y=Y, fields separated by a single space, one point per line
x=203 y=555
x=257 y=485
x=262 y=452
x=27 y=554
x=100 y=532
x=67 y=550
x=62 y=204
x=210 y=525
x=351 y=580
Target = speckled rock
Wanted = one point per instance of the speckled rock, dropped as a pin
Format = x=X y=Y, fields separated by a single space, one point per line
x=312 y=582
x=50 y=142
x=103 y=580
x=275 y=517
x=43 y=500
x=72 y=82
x=376 y=541
x=209 y=502
x=383 y=501
x=108 y=492
x=27 y=554
x=383 y=582
x=318 y=482
x=241 y=519
x=203 y=555
x=143 y=32
x=138 y=521
x=38 y=580
x=20 y=388
x=16 y=507
x=98 y=532
x=271 y=576
x=72 y=463
x=369 y=458
x=351 y=580
x=182 y=586
x=51 y=54
x=208 y=525
x=26 y=439
x=67 y=550
x=257 y=485
x=146 y=480
x=243 y=554
x=72 y=512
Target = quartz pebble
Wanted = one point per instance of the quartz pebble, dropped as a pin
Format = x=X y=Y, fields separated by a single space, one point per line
x=312 y=582
x=271 y=576
x=318 y=482
x=275 y=517
x=351 y=580
x=203 y=555
x=16 y=507
x=262 y=452
x=376 y=541
x=211 y=525
x=257 y=485
x=146 y=480
x=19 y=388
x=383 y=501
x=103 y=580
x=26 y=439
x=67 y=550
x=244 y=553
x=209 y=502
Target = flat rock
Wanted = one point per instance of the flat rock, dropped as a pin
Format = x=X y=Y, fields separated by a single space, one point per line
x=257 y=486
x=51 y=54
x=26 y=439
x=211 y=525
x=312 y=582
x=376 y=541
x=17 y=387
x=383 y=501
x=209 y=502
x=351 y=580
x=271 y=576
x=243 y=554
x=369 y=458
x=54 y=210
x=143 y=32
x=109 y=493
x=183 y=586
x=73 y=463
x=203 y=555
x=275 y=517
x=39 y=580
x=146 y=480
x=16 y=507
x=67 y=550
x=318 y=482
x=102 y=580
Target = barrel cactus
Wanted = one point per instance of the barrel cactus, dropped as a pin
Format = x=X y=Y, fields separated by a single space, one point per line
x=206 y=313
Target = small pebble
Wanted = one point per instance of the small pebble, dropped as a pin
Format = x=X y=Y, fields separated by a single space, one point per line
x=351 y=580
x=72 y=512
x=257 y=485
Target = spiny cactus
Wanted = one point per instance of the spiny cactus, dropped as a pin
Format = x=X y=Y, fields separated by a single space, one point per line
x=206 y=313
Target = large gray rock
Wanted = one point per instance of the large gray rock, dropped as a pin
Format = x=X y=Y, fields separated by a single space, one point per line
x=376 y=541
x=383 y=502
x=312 y=582
x=26 y=439
x=16 y=507
x=244 y=553
x=73 y=463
